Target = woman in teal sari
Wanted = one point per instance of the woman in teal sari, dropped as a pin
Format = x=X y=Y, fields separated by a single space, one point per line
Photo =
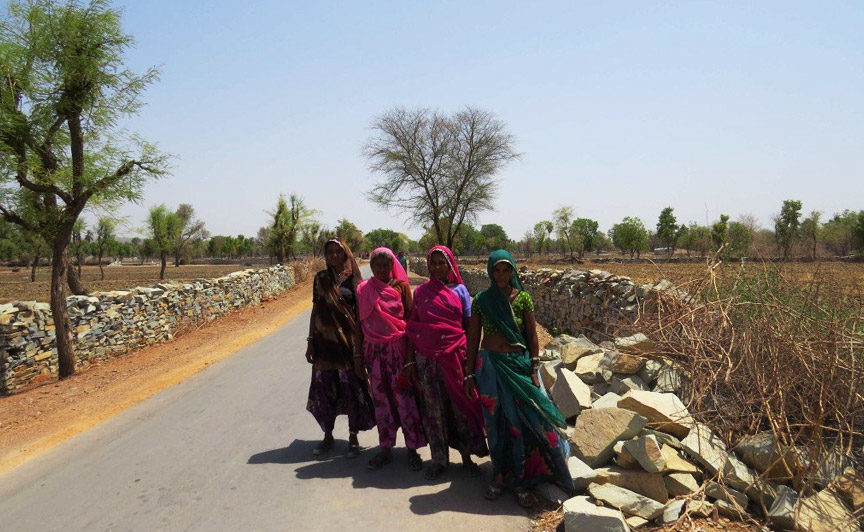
x=525 y=430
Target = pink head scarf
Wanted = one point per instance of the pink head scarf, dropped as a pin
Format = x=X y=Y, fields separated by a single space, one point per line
x=382 y=314
x=396 y=271
x=453 y=277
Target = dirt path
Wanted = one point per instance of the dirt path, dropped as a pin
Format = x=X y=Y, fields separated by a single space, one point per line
x=36 y=419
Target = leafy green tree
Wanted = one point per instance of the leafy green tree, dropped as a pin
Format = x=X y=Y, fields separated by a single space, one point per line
x=811 y=231
x=542 y=230
x=586 y=231
x=289 y=217
x=667 y=229
x=64 y=93
x=190 y=232
x=562 y=217
x=352 y=235
x=494 y=237
x=787 y=225
x=386 y=238
x=438 y=170
x=858 y=232
x=105 y=241
x=740 y=239
x=163 y=226
x=838 y=233
x=720 y=231
x=630 y=236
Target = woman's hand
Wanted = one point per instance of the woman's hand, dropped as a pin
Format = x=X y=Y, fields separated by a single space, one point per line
x=534 y=378
x=310 y=353
x=360 y=368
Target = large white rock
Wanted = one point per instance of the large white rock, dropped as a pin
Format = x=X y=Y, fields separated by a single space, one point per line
x=646 y=451
x=669 y=380
x=582 y=515
x=664 y=411
x=626 y=364
x=638 y=343
x=725 y=493
x=623 y=458
x=581 y=473
x=680 y=484
x=648 y=484
x=629 y=502
x=609 y=400
x=622 y=384
x=574 y=349
x=591 y=370
x=548 y=374
x=551 y=493
x=782 y=512
x=570 y=394
x=766 y=455
x=676 y=464
x=702 y=445
x=824 y=512
x=596 y=432
x=650 y=370
x=736 y=474
x=673 y=511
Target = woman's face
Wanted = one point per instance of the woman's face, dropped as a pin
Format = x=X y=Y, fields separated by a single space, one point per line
x=334 y=255
x=381 y=267
x=501 y=273
x=438 y=266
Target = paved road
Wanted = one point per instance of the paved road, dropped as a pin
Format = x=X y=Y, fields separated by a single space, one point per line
x=230 y=450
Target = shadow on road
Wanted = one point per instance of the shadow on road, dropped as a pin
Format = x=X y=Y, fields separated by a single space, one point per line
x=300 y=451
x=466 y=496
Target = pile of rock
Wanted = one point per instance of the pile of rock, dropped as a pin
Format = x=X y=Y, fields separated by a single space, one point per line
x=639 y=457
x=114 y=323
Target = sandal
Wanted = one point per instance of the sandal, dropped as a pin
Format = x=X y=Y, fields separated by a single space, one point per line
x=434 y=471
x=471 y=468
x=323 y=447
x=379 y=460
x=525 y=498
x=415 y=463
x=493 y=492
x=353 y=450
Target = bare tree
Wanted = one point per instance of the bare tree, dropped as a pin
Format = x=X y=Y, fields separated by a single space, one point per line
x=438 y=170
x=191 y=230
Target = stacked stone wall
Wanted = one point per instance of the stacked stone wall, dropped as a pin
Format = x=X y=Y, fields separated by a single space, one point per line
x=110 y=324
x=595 y=303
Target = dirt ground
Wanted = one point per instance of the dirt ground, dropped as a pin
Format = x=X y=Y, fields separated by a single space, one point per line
x=16 y=285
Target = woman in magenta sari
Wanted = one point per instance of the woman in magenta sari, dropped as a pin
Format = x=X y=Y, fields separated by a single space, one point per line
x=384 y=301
x=436 y=332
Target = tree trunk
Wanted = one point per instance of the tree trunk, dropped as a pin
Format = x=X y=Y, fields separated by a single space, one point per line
x=62 y=326
x=101 y=271
x=33 y=266
x=164 y=258
x=75 y=285
x=177 y=260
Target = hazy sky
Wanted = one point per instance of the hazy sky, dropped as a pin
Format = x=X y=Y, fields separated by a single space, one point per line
x=620 y=108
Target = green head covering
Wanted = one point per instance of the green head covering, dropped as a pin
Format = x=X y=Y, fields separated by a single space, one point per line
x=495 y=304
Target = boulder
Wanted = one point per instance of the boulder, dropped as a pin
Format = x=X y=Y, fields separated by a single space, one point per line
x=596 y=432
x=725 y=493
x=626 y=364
x=824 y=512
x=650 y=370
x=680 y=484
x=634 y=521
x=638 y=343
x=629 y=502
x=850 y=487
x=551 y=493
x=570 y=394
x=701 y=508
x=702 y=445
x=672 y=512
x=764 y=453
x=548 y=374
x=610 y=400
x=591 y=370
x=762 y=493
x=732 y=511
x=662 y=437
x=664 y=411
x=646 y=451
x=736 y=474
x=623 y=458
x=669 y=380
x=581 y=473
x=648 y=484
x=781 y=514
x=575 y=348
x=676 y=464
x=621 y=384
x=580 y=515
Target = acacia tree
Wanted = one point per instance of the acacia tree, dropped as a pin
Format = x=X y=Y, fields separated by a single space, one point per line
x=629 y=236
x=541 y=233
x=63 y=90
x=164 y=226
x=438 y=170
x=563 y=219
x=289 y=217
x=190 y=231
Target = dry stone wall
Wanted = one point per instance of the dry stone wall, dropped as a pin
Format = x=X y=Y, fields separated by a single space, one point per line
x=110 y=324
x=593 y=303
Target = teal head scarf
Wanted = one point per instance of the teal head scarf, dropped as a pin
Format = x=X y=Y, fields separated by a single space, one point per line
x=495 y=304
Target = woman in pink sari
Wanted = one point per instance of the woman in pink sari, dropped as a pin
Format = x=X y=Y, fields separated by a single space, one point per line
x=383 y=302
x=436 y=332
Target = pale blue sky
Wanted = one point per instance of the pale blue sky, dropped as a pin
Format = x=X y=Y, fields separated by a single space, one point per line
x=620 y=108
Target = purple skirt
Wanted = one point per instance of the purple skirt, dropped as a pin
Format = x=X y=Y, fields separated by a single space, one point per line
x=335 y=392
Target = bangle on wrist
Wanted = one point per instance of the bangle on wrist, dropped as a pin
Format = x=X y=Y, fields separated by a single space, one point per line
x=466 y=377
x=411 y=363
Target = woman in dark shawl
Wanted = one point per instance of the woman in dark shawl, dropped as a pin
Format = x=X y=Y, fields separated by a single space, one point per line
x=436 y=331
x=524 y=428
x=336 y=386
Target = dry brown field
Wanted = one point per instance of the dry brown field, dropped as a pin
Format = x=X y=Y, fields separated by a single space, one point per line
x=16 y=285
